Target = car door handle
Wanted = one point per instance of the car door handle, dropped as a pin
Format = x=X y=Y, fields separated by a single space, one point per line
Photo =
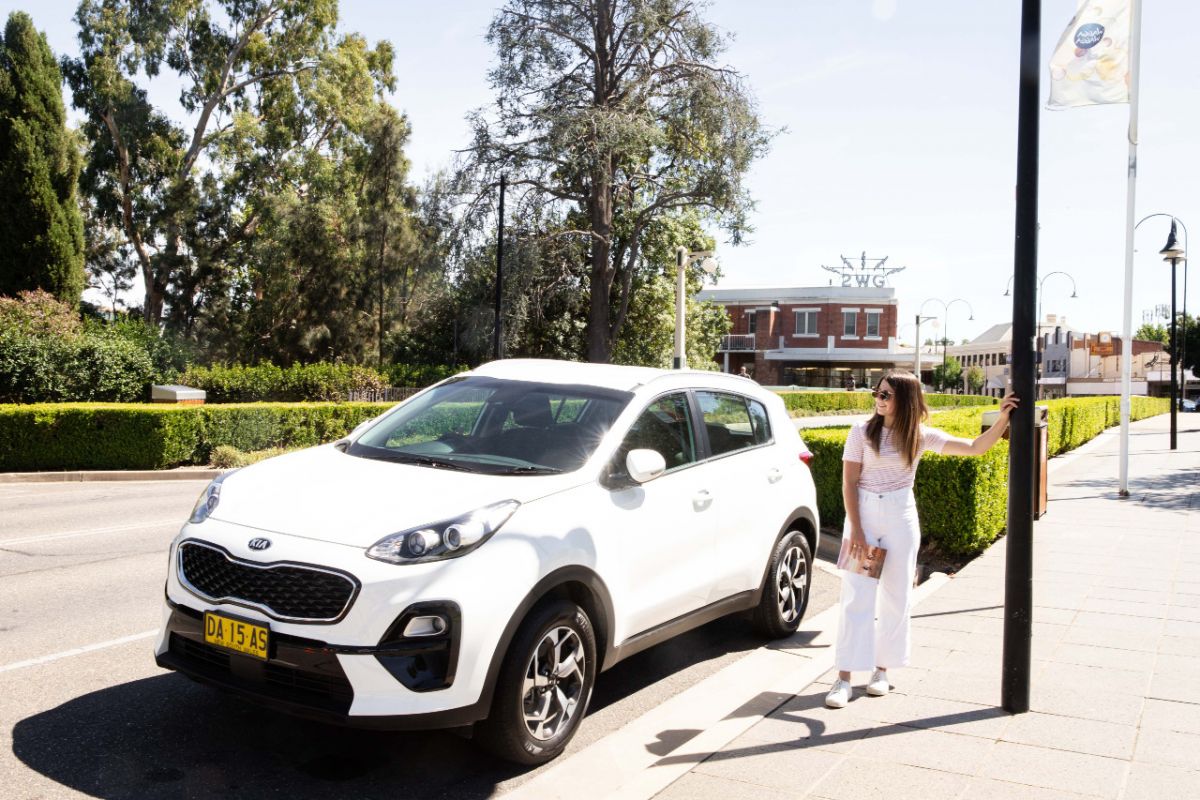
x=774 y=475
x=701 y=500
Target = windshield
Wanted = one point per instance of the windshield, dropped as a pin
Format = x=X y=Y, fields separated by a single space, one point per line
x=496 y=426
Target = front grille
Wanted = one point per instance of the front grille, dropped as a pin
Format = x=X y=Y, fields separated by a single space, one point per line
x=284 y=591
x=319 y=683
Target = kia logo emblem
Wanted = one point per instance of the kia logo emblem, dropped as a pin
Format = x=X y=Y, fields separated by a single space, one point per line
x=260 y=544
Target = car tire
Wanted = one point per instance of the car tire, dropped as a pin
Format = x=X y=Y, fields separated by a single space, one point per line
x=788 y=585
x=542 y=691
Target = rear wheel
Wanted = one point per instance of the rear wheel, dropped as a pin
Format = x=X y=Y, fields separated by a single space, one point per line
x=544 y=686
x=785 y=597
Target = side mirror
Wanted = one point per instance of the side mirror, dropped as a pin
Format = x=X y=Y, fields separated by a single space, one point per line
x=645 y=465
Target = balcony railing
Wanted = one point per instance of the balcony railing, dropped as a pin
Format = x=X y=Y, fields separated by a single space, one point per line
x=737 y=341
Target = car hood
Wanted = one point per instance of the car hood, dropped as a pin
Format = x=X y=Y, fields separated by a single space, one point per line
x=322 y=493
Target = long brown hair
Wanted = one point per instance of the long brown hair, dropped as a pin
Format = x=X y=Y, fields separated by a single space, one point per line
x=911 y=411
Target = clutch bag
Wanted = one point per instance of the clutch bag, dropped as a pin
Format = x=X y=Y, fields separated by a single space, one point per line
x=870 y=565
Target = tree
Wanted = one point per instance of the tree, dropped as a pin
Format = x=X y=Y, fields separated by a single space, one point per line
x=616 y=112
x=41 y=238
x=388 y=206
x=975 y=379
x=948 y=374
x=1153 y=333
x=271 y=92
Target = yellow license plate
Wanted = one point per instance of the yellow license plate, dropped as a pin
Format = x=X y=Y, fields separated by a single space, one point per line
x=236 y=635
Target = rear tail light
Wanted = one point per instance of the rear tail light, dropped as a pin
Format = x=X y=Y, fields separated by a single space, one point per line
x=806 y=457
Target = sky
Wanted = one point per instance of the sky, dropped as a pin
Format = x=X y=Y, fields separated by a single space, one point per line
x=897 y=137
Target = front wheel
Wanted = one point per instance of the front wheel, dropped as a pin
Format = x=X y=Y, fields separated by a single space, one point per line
x=544 y=686
x=785 y=596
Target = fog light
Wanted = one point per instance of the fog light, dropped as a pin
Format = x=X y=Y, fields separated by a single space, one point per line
x=425 y=626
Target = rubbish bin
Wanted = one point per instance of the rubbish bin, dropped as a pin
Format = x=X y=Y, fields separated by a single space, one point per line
x=1041 y=452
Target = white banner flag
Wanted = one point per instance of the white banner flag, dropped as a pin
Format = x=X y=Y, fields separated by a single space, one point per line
x=1091 y=64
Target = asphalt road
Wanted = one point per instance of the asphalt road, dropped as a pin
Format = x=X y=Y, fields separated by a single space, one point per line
x=85 y=711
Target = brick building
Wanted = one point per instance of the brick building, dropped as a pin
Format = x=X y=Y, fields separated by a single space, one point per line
x=824 y=337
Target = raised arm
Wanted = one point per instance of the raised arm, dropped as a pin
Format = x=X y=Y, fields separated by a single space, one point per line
x=984 y=441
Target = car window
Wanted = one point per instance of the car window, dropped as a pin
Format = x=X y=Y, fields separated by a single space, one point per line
x=665 y=427
x=759 y=421
x=727 y=422
x=497 y=426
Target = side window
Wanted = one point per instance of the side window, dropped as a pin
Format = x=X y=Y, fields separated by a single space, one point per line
x=727 y=422
x=759 y=421
x=666 y=427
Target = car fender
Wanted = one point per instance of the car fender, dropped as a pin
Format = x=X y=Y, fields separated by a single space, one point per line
x=598 y=604
x=804 y=519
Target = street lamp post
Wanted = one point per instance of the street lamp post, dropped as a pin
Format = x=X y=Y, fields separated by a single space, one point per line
x=1040 y=336
x=946 y=314
x=683 y=257
x=1127 y=346
x=917 y=346
x=1173 y=254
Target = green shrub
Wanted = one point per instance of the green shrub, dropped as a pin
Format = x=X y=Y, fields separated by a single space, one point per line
x=226 y=457
x=419 y=375
x=97 y=436
x=110 y=436
x=962 y=500
x=269 y=383
x=825 y=402
x=46 y=367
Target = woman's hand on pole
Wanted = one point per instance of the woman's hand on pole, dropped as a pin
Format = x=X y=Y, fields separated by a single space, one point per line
x=1008 y=404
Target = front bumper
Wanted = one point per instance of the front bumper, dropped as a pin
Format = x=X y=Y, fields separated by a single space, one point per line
x=304 y=677
x=393 y=682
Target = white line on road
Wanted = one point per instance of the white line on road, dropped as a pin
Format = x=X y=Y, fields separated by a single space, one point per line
x=33 y=662
x=49 y=537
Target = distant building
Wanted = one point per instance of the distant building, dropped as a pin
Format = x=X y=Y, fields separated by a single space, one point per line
x=1074 y=363
x=831 y=337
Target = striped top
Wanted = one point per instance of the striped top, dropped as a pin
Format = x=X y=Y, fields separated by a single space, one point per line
x=887 y=471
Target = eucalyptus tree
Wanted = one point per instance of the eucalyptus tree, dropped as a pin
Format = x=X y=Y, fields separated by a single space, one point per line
x=268 y=89
x=616 y=113
x=41 y=236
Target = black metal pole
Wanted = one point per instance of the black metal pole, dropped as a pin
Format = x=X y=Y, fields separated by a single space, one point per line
x=1174 y=361
x=498 y=335
x=1018 y=571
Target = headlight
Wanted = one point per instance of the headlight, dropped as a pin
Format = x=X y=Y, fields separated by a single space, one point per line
x=209 y=498
x=447 y=539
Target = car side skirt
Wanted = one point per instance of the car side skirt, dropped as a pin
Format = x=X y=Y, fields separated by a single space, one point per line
x=743 y=601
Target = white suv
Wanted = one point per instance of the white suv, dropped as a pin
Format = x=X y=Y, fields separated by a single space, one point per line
x=481 y=551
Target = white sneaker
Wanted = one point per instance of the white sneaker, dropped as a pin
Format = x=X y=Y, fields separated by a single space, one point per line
x=839 y=695
x=879 y=685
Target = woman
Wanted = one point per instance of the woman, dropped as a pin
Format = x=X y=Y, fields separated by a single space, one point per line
x=878 y=466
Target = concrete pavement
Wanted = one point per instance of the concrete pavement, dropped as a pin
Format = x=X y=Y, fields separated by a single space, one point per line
x=1115 y=684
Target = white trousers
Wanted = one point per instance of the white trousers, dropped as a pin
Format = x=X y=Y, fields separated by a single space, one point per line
x=889 y=520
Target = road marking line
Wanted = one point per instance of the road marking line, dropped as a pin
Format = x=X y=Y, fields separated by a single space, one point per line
x=49 y=537
x=78 y=651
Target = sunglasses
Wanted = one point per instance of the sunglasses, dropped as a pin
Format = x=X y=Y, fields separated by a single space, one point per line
x=883 y=394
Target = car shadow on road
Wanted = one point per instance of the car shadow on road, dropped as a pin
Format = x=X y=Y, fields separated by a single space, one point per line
x=166 y=737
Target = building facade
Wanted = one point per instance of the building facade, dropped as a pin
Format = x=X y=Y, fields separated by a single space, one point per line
x=1073 y=363
x=831 y=337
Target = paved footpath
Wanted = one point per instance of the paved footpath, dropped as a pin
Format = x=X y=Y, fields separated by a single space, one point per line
x=1115 y=673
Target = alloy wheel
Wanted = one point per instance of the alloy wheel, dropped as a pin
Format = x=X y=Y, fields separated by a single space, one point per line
x=554 y=681
x=791 y=579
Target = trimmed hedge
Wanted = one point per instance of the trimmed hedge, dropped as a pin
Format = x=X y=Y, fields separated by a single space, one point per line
x=65 y=436
x=818 y=402
x=306 y=382
x=269 y=383
x=962 y=500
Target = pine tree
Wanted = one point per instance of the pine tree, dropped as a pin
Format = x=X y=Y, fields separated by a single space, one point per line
x=41 y=238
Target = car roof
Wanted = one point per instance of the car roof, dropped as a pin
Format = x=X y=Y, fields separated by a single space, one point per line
x=610 y=376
